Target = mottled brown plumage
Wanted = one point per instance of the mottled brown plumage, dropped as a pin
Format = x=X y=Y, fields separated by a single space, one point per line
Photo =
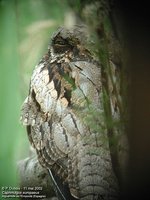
x=64 y=86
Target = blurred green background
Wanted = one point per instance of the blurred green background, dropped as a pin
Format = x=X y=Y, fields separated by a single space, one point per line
x=25 y=30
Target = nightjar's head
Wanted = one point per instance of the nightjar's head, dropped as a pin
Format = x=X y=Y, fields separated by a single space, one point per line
x=68 y=40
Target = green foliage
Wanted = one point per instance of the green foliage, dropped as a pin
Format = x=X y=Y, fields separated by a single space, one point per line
x=10 y=98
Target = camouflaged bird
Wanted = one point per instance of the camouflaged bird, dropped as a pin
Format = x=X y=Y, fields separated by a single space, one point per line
x=64 y=85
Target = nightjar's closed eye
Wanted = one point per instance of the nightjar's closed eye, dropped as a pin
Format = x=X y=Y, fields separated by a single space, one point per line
x=61 y=45
x=60 y=41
